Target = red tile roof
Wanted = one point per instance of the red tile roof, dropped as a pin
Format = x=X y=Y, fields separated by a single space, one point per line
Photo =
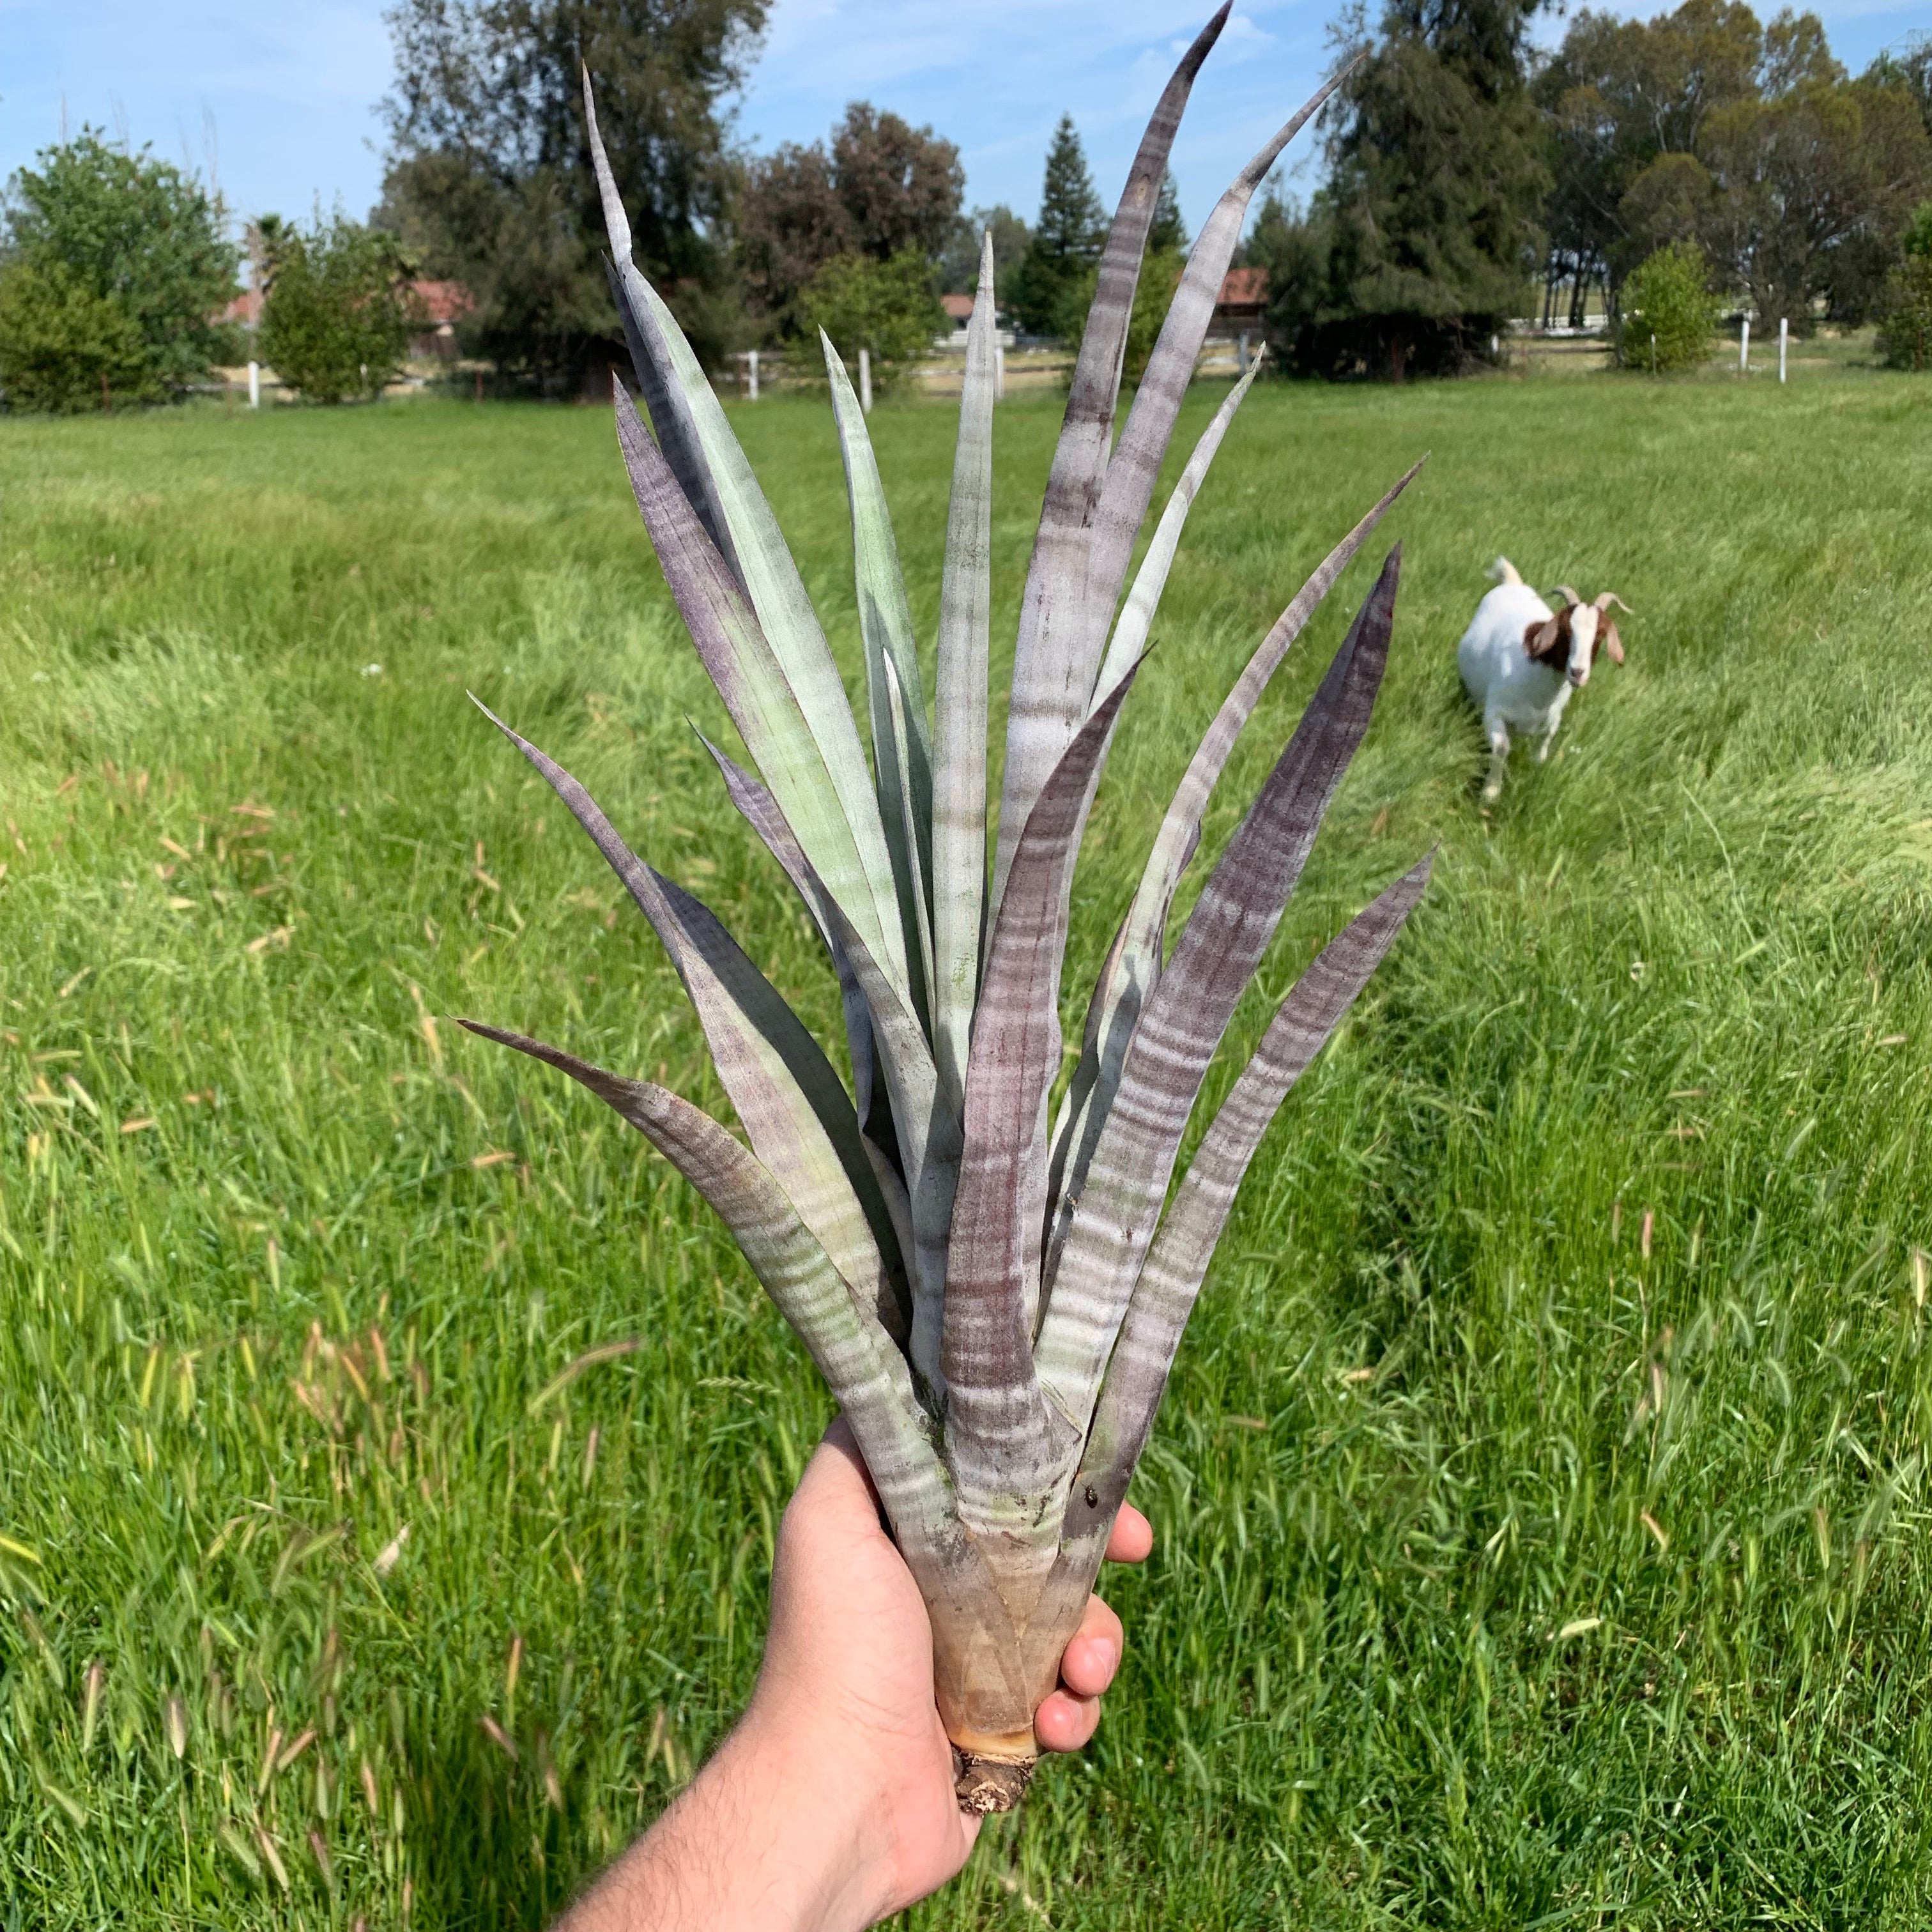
x=959 y=307
x=1244 y=288
x=443 y=301
x=440 y=302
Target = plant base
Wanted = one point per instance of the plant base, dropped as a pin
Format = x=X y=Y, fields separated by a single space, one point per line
x=987 y=1785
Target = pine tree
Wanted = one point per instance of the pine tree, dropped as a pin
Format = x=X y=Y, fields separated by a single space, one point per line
x=1430 y=221
x=1168 y=235
x=1067 y=240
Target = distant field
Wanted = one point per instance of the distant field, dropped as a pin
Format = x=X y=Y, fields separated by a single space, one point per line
x=1543 y=1498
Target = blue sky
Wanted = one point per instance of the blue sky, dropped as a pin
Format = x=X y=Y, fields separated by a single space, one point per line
x=280 y=97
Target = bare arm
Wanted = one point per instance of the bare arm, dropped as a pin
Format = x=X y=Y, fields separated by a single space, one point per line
x=830 y=1805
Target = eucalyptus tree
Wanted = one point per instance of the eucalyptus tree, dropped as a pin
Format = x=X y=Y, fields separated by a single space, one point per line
x=991 y=1288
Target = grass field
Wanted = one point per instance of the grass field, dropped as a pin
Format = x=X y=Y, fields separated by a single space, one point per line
x=1543 y=1498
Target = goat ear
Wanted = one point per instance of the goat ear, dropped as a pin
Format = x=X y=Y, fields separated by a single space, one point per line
x=1611 y=642
x=1539 y=640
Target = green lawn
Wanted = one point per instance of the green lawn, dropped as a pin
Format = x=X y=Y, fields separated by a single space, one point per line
x=1542 y=1497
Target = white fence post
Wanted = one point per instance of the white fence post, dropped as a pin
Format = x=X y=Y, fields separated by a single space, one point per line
x=755 y=375
x=254 y=385
x=999 y=369
x=1744 y=350
x=865 y=381
x=1241 y=353
x=1783 y=337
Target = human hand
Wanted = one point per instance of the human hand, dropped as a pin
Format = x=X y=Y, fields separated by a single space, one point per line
x=848 y=1666
x=831 y=1805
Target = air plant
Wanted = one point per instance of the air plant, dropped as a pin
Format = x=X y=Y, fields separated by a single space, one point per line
x=993 y=1296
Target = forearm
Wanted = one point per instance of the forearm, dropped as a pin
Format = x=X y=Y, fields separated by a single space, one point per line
x=748 y=1846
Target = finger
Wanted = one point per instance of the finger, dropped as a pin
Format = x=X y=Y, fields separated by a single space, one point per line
x=836 y=1488
x=1132 y=1538
x=1093 y=1655
x=1064 y=1722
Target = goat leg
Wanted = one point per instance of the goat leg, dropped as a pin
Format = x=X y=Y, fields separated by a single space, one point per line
x=1499 y=751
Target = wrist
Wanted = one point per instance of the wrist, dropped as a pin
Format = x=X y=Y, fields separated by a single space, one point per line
x=815 y=1821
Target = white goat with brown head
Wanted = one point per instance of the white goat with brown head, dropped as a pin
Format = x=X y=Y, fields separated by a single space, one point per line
x=1520 y=661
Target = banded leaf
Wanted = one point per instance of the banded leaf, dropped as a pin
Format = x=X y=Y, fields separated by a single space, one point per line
x=1182 y=1023
x=1053 y=666
x=1170 y=1278
x=861 y=1367
x=959 y=707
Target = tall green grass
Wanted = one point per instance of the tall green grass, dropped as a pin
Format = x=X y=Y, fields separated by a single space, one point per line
x=1542 y=1495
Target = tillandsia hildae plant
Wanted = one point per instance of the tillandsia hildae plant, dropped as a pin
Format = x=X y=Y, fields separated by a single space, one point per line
x=990 y=1288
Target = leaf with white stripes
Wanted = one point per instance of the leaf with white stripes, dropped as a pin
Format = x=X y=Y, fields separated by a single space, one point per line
x=1135 y=466
x=1136 y=618
x=959 y=704
x=1132 y=967
x=1176 y=1263
x=863 y=1370
x=1180 y=1026
x=885 y=626
x=992 y=1275
x=1058 y=649
x=794 y=1107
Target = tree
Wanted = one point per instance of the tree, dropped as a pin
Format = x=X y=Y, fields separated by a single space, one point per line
x=1159 y=276
x=1813 y=184
x=489 y=180
x=1617 y=95
x=1067 y=239
x=132 y=231
x=886 y=308
x=63 y=348
x=1429 y=224
x=1905 y=312
x=336 y=317
x=1670 y=313
x=959 y=270
x=901 y=185
x=883 y=188
x=1705 y=124
x=1911 y=70
x=1168 y=235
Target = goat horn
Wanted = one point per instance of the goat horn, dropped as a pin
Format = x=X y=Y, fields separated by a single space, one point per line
x=1609 y=597
x=1569 y=593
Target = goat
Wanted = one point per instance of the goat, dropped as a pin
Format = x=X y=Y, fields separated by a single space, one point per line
x=1520 y=661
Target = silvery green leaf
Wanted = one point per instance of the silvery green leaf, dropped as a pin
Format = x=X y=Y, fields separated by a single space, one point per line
x=1170 y=1278
x=800 y=1121
x=863 y=1370
x=885 y=626
x=761 y=696
x=1181 y=1024
x=1058 y=649
x=959 y=708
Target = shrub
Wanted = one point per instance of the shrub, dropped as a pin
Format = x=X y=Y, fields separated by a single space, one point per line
x=1160 y=276
x=887 y=308
x=337 y=316
x=1905 y=320
x=1669 y=296
x=133 y=232
x=64 y=348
